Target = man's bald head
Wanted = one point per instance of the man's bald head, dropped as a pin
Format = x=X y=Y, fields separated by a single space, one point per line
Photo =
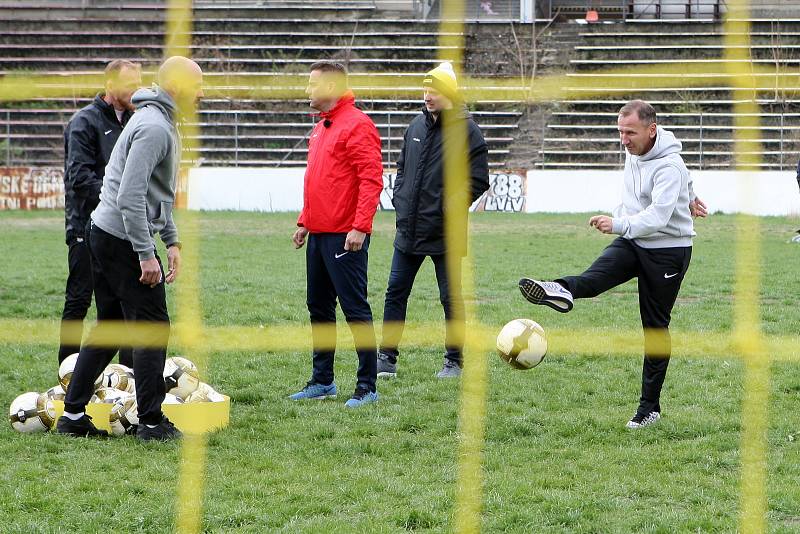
x=183 y=79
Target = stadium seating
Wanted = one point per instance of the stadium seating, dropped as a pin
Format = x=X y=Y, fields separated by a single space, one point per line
x=262 y=39
x=582 y=131
x=277 y=40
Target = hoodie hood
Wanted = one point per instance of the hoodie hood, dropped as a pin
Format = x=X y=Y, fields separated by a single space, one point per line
x=655 y=200
x=155 y=96
x=666 y=144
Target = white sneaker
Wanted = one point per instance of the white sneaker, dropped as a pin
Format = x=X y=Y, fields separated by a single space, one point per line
x=550 y=294
x=639 y=421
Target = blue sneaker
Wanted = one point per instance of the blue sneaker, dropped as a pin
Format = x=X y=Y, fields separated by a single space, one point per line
x=316 y=392
x=361 y=397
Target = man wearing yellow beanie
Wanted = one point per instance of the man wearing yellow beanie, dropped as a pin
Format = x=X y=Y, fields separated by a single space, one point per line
x=443 y=79
x=419 y=203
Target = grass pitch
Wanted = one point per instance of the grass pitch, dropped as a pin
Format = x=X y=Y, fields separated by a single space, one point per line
x=557 y=458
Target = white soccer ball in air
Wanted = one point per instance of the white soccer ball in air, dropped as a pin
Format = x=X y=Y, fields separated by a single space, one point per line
x=205 y=393
x=181 y=377
x=32 y=412
x=118 y=376
x=522 y=344
x=66 y=369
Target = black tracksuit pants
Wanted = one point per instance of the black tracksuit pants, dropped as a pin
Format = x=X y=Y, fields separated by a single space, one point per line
x=660 y=272
x=401 y=280
x=332 y=273
x=120 y=296
x=77 y=300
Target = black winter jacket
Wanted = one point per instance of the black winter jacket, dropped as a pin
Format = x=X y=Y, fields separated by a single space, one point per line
x=89 y=137
x=418 y=195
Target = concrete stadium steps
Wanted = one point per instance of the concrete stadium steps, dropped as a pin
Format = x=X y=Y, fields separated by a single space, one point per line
x=240 y=132
x=641 y=43
x=103 y=37
x=229 y=64
x=272 y=44
x=699 y=108
x=230 y=52
x=158 y=10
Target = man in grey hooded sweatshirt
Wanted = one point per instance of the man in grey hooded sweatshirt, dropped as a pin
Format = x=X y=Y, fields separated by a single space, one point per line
x=655 y=226
x=136 y=203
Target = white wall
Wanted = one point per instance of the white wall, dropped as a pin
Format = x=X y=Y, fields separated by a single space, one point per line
x=757 y=193
x=576 y=191
x=276 y=189
x=246 y=189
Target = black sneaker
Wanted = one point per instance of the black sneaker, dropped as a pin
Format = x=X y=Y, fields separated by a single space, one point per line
x=550 y=294
x=642 y=420
x=79 y=428
x=386 y=369
x=450 y=369
x=163 y=431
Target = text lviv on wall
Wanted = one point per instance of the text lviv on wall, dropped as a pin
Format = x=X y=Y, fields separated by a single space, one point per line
x=31 y=188
x=507 y=193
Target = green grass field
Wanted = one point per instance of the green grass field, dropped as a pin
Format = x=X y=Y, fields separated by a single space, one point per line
x=557 y=458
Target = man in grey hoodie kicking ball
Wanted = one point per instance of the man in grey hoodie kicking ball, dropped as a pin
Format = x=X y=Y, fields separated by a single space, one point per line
x=655 y=226
x=136 y=203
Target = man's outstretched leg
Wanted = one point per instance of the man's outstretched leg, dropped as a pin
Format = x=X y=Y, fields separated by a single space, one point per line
x=616 y=265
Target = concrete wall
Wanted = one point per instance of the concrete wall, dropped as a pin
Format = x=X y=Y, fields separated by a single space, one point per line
x=757 y=193
x=270 y=189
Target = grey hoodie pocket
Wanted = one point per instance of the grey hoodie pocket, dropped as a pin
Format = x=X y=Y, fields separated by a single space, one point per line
x=164 y=214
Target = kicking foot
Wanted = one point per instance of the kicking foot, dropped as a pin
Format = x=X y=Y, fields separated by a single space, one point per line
x=550 y=294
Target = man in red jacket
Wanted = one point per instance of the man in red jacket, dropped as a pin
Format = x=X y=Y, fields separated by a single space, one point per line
x=343 y=182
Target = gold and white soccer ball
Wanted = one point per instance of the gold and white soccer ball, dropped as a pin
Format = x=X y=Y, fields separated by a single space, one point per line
x=181 y=377
x=169 y=398
x=118 y=376
x=522 y=344
x=205 y=393
x=56 y=393
x=32 y=412
x=124 y=416
x=109 y=395
x=66 y=369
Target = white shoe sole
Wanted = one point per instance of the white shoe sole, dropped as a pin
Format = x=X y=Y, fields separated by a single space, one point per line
x=536 y=294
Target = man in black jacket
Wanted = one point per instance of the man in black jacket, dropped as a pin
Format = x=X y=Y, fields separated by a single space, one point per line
x=89 y=138
x=419 y=198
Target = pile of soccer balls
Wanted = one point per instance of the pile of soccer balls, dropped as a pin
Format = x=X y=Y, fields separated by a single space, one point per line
x=34 y=412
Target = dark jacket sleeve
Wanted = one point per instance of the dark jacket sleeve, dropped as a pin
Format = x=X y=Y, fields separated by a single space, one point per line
x=81 y=154
x=401 y=163
x=798 y=174
x=479 y=162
